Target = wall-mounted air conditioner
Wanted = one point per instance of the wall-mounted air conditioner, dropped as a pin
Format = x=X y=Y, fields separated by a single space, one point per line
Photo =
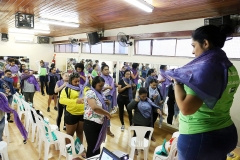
x=24 y=39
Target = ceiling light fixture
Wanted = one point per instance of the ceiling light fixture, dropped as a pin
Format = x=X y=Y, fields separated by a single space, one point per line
x=28 y=31
x=60 y=23
x=141 y=4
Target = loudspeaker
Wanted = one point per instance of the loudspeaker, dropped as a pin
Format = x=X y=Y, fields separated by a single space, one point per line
x=43 y=40
x=93 y=38
x=4 y=37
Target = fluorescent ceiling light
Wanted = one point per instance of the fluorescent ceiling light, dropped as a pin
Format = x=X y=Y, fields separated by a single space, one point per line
x=141 y=4
x=28 y=31
x=60 y=23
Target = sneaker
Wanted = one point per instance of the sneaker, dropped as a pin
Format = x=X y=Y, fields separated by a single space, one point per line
x=114 y=110
x=122 y=128
x=55 y=108
x=64 y=128
x=10 y=121
x=48 y=109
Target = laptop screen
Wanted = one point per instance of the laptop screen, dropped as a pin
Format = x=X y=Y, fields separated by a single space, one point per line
x=107 y=155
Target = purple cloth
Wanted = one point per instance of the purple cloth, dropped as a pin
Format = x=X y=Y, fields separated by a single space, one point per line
x=207 y=75
x=103 y=132
x=165 y=84
x=6 y=108
x=109 y=80
x=33 y=80
x=136 y=79
x=60 y=83
x=82 y=80
x=14 y=69
x=77 y=88
x=128 y=81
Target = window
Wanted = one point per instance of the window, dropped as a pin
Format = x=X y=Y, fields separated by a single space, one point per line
x=232 y=47
x=165 y=47
x=107 y=47
x=120 y=49
x=143 y=47
x=56 y=48
x=62 y=48
x=75 y=48
x=96 y=48
x=184 y=48
x=68 y=48
x=85 y=48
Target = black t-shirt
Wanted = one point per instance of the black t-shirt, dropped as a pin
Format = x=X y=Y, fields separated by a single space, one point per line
x=124 y=92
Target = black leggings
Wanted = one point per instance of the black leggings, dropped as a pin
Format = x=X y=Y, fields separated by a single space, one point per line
x=28 y=96
x=91 y=130
x=170 y=112
x=60 y=113
x=123 y=101
x=43 y=82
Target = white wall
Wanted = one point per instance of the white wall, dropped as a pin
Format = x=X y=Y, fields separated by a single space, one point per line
x=33 y=51
x=173 y=61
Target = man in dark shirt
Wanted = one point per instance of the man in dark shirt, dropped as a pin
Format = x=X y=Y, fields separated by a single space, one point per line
x=6 y=87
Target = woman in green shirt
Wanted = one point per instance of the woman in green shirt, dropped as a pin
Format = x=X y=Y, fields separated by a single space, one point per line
x=95 y=71
x=207 y=131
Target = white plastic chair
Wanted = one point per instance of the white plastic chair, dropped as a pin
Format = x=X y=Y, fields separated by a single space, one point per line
x=4 y=150
x=139 y=142
x=6 y=130
x=19 y=106
x=172 y=154
x=63 y=147
x=43 y=138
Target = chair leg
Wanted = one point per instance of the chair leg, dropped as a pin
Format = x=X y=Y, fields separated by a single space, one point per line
x=132 y=152
x=46 y=150
x=33 y=131
x=146 y=153
x=39 y=147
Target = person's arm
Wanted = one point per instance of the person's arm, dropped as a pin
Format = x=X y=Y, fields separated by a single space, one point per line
x=99 y=110
x=121 y=89
x=134 y=76
x=83 y=77
x=57 y=88
x=187 y=103
x=132 y=105
x=8 y=79
x=24 y=76
x=65 y=100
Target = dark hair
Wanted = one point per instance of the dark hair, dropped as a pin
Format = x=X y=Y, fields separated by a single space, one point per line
x=52 y=65
x=163 y=66
x=95 y=65
x=50 y=70
x=126 y=71
x=21 y=70
x=8 y=71
x=103 y=63
x=153 y=81
x=216 y=35
x=11 y=60
x=150 y=71
x=135 y=65
x=142 y=90
x=97 y=80
x=96 y=61
x=72 y=76
x=143 y=67
x=115 y=65
x=79 y=65
x=103 y=66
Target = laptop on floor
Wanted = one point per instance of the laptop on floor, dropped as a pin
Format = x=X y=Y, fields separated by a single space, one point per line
x=107 y=155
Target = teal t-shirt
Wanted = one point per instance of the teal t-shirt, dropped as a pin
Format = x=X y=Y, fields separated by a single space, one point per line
x=205 y=119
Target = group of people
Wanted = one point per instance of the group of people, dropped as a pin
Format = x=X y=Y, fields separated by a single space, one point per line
x=203 y=90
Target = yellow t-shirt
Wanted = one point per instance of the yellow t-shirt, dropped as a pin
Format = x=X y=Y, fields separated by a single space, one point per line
x=71 y=105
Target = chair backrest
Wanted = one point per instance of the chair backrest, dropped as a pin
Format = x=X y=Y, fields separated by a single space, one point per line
x=19 y=101
x=62 y=142
x=140 y=134
x=173 y=151
x=175 y=134
x=46 y=131
x=39 y=121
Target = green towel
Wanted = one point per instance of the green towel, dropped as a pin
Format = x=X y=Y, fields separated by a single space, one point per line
x=163 y=151
x=77 y=146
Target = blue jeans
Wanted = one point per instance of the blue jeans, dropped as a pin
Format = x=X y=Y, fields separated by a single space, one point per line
x=213 y=145
x=109 y=107
x=2 y=125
